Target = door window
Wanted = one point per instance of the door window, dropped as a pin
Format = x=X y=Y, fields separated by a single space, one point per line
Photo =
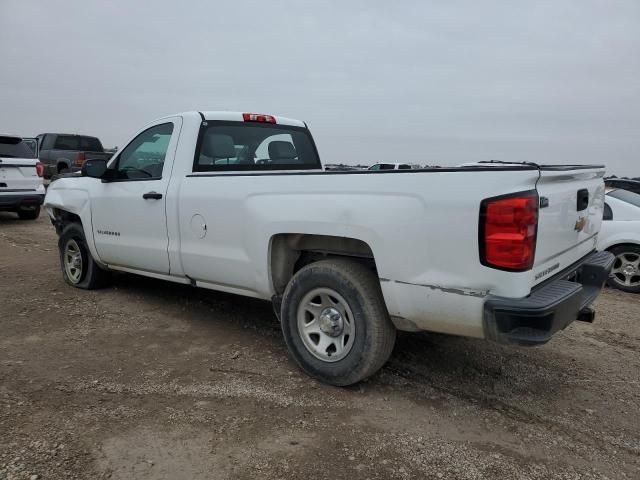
x=143 y=158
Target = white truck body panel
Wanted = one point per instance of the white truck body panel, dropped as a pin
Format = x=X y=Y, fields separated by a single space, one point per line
x=216 y=229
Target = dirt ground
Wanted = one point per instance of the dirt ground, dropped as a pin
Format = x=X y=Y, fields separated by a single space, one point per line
x=153 y=380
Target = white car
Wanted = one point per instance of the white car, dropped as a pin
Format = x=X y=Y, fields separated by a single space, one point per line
x=239 y=202
x=620 y=234
x=21 y=187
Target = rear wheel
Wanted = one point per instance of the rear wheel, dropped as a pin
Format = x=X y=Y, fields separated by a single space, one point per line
x=78 y=267
x=335 y=322
x=625 y=274
x=29 y=213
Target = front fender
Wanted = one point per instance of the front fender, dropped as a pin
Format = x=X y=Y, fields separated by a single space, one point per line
x=64 y=195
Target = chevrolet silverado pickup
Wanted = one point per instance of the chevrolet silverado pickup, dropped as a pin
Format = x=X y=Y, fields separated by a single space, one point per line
x=239 y=202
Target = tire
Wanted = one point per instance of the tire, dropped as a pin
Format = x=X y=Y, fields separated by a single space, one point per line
x=625 y=274
x=83 y=271
x=367 y=335
x=29 y=213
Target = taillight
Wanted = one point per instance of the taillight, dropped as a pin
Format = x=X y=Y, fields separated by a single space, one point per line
x=508 y=230
x=80 y=159
x=40 y=169
x=258 y=117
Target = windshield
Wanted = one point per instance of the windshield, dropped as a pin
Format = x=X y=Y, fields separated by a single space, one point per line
x=242 y=146
x=14 y=147
x=626 y=196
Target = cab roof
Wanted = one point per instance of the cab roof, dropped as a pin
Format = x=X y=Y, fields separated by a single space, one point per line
x=238 y=117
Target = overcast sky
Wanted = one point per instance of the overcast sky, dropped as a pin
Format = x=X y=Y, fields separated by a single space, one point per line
x=419 y=81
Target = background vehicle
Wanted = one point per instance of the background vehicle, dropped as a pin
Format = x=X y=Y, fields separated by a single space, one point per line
x=393 y=166
x=21 y=187
x=620 y=234
x=625 y=184
x=239 y=202
x=63 y=153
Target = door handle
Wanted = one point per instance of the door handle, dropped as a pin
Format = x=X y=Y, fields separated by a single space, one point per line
x=152 y=196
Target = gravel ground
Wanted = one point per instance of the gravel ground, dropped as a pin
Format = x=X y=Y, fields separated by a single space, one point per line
x=152 y=380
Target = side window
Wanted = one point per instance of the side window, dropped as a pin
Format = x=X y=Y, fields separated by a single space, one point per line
x=143 y=158
x=608 y=213
x=375 y=167
x=404 y=166
x=66 y=142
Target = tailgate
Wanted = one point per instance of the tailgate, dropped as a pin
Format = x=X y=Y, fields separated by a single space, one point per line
x=571 y=207
x=18 y=175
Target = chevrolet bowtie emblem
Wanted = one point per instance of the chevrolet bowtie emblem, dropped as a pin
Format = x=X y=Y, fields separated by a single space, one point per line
x=580 y=223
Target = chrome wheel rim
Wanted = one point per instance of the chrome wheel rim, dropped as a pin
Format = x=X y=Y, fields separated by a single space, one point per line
x=73 y=261
x=626 y=269
x=326 y=324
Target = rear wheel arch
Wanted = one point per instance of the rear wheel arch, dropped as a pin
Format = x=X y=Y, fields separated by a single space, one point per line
x=289 y=252
x=62 y=165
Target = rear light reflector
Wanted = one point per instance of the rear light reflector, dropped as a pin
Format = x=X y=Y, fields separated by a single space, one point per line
x=508 y=231
x=258 y=117
x=80 y=159
x=40 y=169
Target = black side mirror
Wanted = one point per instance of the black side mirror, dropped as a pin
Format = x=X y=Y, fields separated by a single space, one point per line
x=94 y=168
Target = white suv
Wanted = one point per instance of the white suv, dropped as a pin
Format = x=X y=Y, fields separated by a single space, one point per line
x=21 y=187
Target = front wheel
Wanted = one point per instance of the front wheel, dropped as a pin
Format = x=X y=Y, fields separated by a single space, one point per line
x=335 y=322
x=79 y=269
x=625 y=274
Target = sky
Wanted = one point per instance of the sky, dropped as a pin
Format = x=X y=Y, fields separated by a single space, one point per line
x=428 y=82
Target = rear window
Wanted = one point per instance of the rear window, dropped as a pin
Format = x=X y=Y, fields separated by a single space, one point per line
x=14 y=147
x=90 y=144
x=247 y=146
x=626 y=196
x=66 y=142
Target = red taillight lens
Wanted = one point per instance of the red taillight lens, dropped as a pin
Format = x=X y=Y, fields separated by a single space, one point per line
x=508 y=230
x=40 y=169
x=80 y=159
x=258 y=117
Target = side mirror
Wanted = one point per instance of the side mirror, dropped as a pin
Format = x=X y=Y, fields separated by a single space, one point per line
x=94 y=168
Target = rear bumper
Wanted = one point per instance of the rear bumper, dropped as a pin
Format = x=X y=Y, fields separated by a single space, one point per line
x=551 y=306
x=12 y=202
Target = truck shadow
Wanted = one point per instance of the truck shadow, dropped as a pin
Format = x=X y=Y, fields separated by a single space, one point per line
x=472 y=369
x=8 y=217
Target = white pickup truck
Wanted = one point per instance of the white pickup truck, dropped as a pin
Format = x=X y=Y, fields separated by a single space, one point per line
x=239 y=203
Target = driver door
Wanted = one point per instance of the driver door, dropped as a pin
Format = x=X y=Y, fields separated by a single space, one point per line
x=128 y=213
